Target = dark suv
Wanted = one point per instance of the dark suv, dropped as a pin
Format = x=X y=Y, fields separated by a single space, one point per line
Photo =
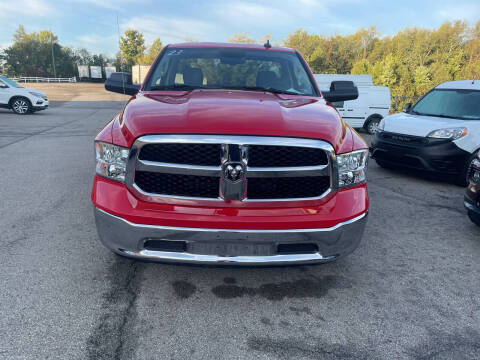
x=472 y=198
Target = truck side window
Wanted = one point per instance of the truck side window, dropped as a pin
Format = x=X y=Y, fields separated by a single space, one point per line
x=301 y=77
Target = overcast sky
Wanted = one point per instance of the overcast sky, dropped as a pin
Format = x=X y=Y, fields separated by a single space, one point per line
x=93 y=23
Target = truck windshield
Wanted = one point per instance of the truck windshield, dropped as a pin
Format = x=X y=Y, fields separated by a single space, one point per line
x=9 y=82
x=227 y=68
x=450 y=103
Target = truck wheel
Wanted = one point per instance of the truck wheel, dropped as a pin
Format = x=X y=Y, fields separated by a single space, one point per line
x=474 y=217
x=20 y=105
x=462 y=178
x=372 y=124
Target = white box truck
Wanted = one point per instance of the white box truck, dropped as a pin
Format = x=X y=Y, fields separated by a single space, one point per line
x=371 y=106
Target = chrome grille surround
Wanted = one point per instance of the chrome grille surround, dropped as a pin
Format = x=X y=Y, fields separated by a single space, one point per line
x=229 y=141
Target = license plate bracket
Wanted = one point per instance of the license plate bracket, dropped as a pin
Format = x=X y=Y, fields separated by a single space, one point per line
x=230 y=249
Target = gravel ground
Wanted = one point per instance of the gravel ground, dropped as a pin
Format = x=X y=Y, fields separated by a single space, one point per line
x=410 y=291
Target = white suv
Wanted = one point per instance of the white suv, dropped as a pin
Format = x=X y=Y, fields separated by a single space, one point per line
x=440 y=133
x=22 y=101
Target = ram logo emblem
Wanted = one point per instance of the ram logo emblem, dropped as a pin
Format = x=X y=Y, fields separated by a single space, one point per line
x=233 y=172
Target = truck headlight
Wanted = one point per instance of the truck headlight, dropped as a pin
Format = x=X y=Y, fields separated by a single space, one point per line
x=452 y=134
x=352 y=168
x=111 y=161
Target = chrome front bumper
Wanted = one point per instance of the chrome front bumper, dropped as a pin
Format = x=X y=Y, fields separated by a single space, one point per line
x=128 y=239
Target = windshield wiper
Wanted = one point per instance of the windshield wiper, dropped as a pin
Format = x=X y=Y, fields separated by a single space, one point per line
x=180 y=87
x=261 y=88
x=432 y=115
x=439 y=115
x=175 y=87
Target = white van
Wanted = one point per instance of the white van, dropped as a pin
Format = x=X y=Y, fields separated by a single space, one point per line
x=440 y=133
x=371 y=106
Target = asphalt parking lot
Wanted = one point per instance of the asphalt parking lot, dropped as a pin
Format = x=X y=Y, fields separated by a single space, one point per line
x=410 y=291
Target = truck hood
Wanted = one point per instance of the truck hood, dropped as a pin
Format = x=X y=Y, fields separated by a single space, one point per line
x=233 y=112
x=416 y=125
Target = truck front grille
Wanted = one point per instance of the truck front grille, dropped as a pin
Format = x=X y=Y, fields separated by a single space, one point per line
x=210 y=154
x=222 y=167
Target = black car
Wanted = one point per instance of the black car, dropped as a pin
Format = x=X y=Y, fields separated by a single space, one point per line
x=472 y=198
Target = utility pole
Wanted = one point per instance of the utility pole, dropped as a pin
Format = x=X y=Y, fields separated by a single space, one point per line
x=53 y=56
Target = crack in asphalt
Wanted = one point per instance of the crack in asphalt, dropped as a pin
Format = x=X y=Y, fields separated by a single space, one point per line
x=112 y=336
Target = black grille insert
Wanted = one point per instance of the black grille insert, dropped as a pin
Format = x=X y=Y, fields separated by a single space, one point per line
x=403 y=139
x=287 y=187
x=193 y=154
x=165 y=245
x=284 y=156
x=178 y=185
x=305 y=248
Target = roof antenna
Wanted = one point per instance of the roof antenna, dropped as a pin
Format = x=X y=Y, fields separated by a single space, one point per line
x=267 y=44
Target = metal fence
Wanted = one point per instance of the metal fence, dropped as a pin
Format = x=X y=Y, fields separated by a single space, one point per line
x=44 y=79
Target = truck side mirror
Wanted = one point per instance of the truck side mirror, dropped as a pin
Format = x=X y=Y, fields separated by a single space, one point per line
x=407 y=108
x=341 y=91
x=120 y=82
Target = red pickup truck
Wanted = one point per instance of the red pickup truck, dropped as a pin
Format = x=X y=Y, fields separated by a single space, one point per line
x=230 y=154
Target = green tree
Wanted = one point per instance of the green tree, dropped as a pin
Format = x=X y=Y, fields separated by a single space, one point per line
x=20 y=34
x=409 y=62
x=241 y=38
x=132 y=46
x=423 y=81
x=31 y=55
x=152 y=53
x=361 y=67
